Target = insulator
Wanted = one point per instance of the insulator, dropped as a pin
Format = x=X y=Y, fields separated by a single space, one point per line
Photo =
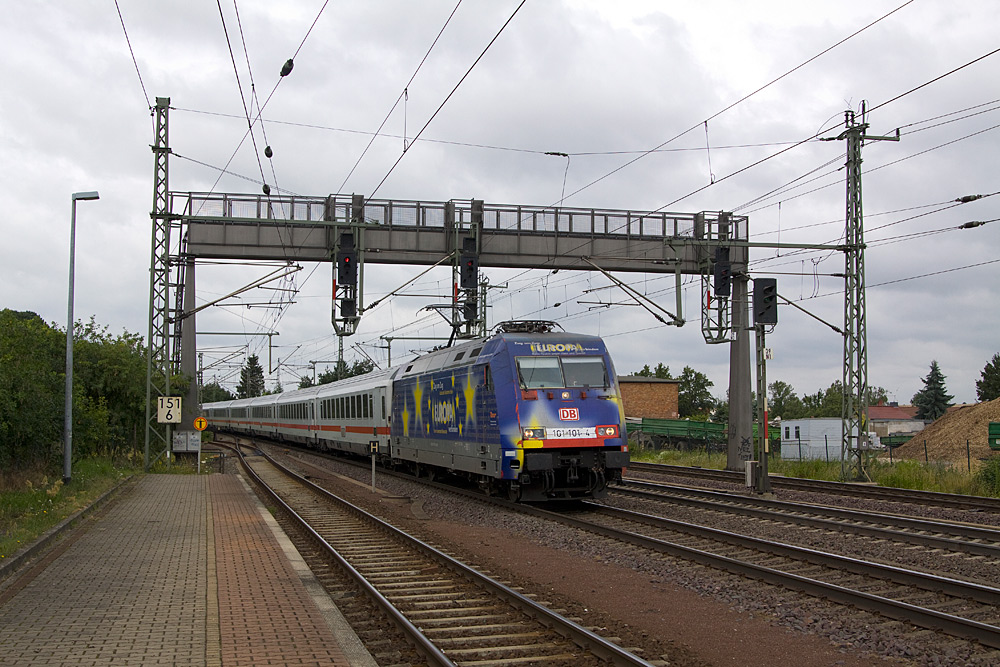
x=268 y=153
x=267 y=189
x=286 y=69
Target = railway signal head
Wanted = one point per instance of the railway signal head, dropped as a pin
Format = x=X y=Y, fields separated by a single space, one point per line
x=469 y=271
x=723 y=272
x=469 y=310
x=765 y=301
x=347 y=261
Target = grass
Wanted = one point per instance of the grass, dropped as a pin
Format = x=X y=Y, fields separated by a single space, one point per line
x=34 y=501
x=904 y=474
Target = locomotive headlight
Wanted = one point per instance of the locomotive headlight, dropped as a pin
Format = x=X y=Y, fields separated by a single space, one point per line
x=533 y=433
x=607 y=431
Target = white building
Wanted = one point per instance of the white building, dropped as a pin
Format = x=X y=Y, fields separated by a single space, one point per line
x=816 y=438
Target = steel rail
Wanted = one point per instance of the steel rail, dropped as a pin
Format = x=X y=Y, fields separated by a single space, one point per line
x=599 y=646
x=983 y=633
x=779 y=510
x=935 y=498
x=424 y=646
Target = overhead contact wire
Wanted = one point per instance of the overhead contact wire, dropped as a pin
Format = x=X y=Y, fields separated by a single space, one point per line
x=441 y=106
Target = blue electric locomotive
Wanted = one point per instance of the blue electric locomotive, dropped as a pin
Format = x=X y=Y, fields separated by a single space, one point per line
x=528 y=412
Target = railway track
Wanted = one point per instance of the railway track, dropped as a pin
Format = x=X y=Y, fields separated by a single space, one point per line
x=959 y=538
x=952 y=606
x=888 y=494
x=450 y=613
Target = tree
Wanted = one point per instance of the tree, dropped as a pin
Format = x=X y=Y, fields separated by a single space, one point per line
x=988 y=388
x=932 y=401
x=693 y=396
x=721 y=413
x=111 y=374
x=877 y=396
x=108 y=390
x=662 y=372
x=251 y=379
x=32 y=379
x=305 y=382
x=783 y=401
x=825 y=403
x=214 y=392
x=341 y=371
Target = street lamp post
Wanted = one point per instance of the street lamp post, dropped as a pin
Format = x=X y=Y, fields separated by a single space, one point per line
x=68 y=424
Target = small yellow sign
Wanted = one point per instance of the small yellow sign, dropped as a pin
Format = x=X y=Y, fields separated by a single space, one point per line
x=200 y=423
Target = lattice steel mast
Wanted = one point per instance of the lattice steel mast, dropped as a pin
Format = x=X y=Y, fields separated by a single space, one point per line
x=158 y=340
x=854 y=409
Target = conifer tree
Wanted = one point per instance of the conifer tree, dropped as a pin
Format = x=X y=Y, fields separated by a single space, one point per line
x=988 y=388
x=251 y=379
x=933 y=400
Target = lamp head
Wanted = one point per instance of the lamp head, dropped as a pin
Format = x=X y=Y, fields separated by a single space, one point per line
x=93 y=194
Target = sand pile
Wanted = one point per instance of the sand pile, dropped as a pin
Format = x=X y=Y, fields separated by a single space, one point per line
x=946 y=437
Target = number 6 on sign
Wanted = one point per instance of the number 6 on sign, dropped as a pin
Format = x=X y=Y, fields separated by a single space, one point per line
x=168 y=410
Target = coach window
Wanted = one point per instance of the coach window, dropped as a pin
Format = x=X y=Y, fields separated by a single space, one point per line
x=383 y=406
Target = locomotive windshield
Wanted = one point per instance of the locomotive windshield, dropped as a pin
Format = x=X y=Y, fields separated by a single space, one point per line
x=584 y=372
x=558 y=372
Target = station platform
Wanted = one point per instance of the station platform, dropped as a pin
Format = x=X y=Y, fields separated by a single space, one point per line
x=178 y=570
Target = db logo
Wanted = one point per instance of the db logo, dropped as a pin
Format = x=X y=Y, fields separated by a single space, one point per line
x=569 y=414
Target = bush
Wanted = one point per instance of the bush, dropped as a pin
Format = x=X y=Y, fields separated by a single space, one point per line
x=987 y=478
x=109 y=391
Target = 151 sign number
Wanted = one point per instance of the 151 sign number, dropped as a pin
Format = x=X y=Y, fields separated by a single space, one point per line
x=168 y=410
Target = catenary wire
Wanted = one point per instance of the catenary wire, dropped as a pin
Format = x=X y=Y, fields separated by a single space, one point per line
x=401 y=96
x=448 y=97
x=134 y=61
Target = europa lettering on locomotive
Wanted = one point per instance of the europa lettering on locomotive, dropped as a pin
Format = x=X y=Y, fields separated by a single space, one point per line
x=556 y=347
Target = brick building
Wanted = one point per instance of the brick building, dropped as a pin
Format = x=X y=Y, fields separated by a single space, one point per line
x=651 y=398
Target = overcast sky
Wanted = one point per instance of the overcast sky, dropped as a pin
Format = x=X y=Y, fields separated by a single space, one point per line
x=601 y=81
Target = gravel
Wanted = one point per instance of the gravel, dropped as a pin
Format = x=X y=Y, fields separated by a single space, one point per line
x=675 y=611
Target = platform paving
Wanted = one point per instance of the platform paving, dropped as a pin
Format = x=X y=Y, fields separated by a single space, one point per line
x=181 y=570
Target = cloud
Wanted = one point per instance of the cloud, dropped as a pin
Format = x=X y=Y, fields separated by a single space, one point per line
x=592 y=79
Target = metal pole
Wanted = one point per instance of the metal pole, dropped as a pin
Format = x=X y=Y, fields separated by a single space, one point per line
x=68 y=421
x=763 y=482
